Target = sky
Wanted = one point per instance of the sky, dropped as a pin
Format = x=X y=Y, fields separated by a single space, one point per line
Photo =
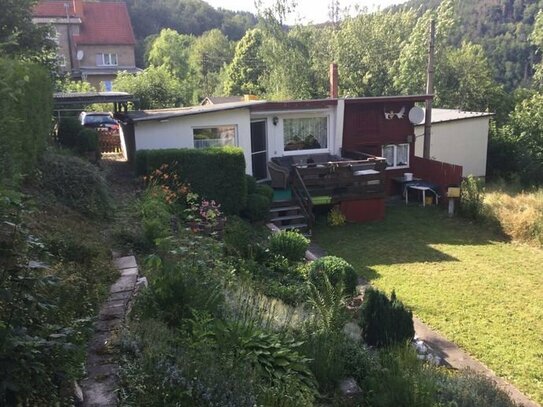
x=315 y=11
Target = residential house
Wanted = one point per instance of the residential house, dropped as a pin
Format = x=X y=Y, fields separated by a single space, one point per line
x=95 y=39
x=459 y=138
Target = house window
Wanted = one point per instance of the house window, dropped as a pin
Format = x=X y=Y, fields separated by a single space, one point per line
x=61 y=60
x=106 y=59
x=397 y=155
x=219 y=136
x=306 y=133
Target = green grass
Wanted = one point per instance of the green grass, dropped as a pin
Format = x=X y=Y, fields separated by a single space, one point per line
x=464 y=280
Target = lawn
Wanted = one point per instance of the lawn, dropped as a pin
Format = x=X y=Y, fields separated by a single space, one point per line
x=464 y=280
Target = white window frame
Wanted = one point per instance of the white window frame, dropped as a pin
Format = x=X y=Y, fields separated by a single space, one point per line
x=306 y=115
x=395 y=148
x=109 y=59
x=212 y=126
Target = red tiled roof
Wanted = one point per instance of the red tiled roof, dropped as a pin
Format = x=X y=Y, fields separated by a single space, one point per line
x=106 y=23
x=56 y=9
x=103 y=23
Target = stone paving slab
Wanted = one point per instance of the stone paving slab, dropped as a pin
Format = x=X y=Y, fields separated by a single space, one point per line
x=131 y=271
x=127 y=262
x=121 y=295
x=125 y=283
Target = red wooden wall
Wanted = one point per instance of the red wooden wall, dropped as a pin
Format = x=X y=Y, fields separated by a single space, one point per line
x=366 y=129
x=438 y=173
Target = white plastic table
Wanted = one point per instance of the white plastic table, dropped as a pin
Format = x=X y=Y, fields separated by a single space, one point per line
x=423 y=189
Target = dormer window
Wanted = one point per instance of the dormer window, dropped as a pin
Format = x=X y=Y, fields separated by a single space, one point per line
x=106 y=59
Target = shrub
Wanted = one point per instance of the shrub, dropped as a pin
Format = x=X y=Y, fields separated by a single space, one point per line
x=25 y=123
x=336 y=217
x=238 y=237
x=289 y=244
x=155 y=213
x=68 y=132
x=87 y=141
x=471 y=200
x=469 y=389
x=75 y=183
x=265 y=190
x=385 y=322
x=258 y=208
x=251 y=184
x=213 y=173
x=337 y=270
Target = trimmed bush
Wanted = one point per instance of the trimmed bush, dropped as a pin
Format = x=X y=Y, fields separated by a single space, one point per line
x=214 y=173
x=258 y=208
x=87 y=141
x=289 y=244
x=251 y=184
x=75 y=183
x=25 y=123
x=337 y=270
x=265 y=190
x=68 y=131
x=385 y=322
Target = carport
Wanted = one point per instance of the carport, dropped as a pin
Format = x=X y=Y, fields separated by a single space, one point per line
x=71 y=104
x=67 y=104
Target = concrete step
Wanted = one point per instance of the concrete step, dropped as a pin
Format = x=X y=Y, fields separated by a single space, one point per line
x=285 y=209
x=292 y=226
x=289 y=217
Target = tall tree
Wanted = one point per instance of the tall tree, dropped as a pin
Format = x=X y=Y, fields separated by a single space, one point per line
x=367 y=48
x=245 y=73
x=208 y=56
x=19 y=37
x=466 y=81
x=154 y=88
x=171 y=49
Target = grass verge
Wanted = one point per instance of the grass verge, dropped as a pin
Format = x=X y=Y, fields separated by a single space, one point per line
x=481 y=292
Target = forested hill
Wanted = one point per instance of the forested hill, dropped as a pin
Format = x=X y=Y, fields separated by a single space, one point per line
x=502 y=27
x=186 y=17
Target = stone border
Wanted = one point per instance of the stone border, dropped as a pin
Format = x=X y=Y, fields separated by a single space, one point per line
x=100 y=385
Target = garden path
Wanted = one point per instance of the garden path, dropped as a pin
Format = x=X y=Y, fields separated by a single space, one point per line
x=447 y=350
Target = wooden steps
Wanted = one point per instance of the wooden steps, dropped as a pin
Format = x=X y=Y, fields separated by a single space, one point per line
x=287 y=215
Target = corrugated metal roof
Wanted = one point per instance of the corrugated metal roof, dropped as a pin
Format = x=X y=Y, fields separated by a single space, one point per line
x=164 y=114
x=91 y=97
x=448 y=115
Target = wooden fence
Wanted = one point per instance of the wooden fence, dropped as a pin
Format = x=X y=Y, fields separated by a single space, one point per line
x=439 y=173
x=109 y=141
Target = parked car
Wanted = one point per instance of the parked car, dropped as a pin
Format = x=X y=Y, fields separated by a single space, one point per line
x=99 y=121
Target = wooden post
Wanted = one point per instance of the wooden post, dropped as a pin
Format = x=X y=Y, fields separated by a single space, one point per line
x=429 y=91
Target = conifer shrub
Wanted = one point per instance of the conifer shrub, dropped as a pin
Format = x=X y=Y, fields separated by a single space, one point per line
x=76 y=183
x=289 y=244
x=265 y=190
x=337 y=270
x=385 y=321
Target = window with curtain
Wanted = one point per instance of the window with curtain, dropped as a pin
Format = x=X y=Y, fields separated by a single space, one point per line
x=219 y=136
x=397 y=155
x=307 y=133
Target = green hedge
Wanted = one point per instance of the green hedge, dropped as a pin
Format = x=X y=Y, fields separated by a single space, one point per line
x=26 y=105
x=214 y=173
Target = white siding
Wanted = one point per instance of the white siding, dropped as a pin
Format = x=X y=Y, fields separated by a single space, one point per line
x=177 y=132
x=460 y=142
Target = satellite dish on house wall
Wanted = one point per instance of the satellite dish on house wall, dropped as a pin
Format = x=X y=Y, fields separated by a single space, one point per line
x=80 y=55
x=416 y=115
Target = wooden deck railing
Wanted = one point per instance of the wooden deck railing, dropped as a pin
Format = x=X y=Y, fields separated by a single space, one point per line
x=303 y=197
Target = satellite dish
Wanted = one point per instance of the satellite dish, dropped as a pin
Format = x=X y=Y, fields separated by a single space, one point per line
x=80 y=55
x=416 y=115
